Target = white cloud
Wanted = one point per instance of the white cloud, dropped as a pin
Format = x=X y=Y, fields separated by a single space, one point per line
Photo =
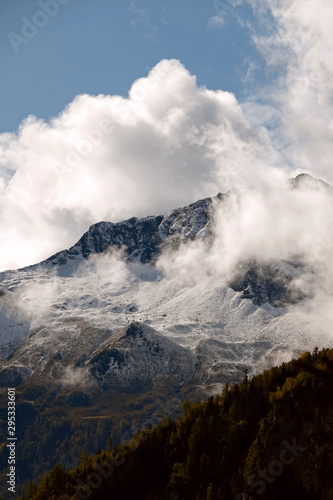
x=215 y=22
x=142 y=22
x=265 y=224
x=108 y=158
x=76 y=377
x=297 y=38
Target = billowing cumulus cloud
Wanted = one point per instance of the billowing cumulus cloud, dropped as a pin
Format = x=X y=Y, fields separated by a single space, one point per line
x=171 y=142
x=108 y=157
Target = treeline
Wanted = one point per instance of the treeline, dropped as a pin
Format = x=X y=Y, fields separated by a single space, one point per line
x=270 y=437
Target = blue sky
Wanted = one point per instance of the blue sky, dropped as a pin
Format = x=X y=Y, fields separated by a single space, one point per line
x=102 y=47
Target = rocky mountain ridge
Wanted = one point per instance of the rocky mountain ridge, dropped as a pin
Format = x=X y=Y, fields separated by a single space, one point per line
x=143 y=238
x=99 y=334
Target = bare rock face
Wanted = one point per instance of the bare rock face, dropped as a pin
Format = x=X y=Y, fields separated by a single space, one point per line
x=268 y=283
x=142 y=238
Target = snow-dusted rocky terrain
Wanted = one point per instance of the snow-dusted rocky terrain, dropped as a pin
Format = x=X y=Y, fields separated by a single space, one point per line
x=104 y=315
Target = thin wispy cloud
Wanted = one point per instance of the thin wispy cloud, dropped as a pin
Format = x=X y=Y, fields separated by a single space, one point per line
x=295 y=38
x=163 y=17
x=215 y=22
x=250 y=73
x=141 y=21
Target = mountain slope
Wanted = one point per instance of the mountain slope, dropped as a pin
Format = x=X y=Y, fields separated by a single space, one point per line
x=268 y=437
x=105 y=340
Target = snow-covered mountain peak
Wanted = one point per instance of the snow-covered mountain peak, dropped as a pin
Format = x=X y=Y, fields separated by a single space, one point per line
x=143 y=237
x=71 y=311
x=307 y=182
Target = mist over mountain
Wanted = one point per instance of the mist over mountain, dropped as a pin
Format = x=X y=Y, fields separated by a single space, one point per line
x=143 y=314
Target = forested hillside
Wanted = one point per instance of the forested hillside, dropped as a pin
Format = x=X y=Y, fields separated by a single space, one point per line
x=269 y=437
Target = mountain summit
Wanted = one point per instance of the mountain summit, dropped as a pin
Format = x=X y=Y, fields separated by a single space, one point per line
x=103 y=329
x=143 y=238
